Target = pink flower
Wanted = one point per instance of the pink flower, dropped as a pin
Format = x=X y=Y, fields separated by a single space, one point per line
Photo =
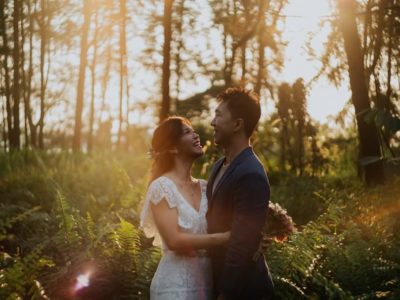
x=279 y=225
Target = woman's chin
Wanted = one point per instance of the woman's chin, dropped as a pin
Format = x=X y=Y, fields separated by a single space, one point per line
x=198 y=153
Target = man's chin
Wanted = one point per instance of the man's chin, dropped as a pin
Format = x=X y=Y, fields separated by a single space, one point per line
x=218 y=142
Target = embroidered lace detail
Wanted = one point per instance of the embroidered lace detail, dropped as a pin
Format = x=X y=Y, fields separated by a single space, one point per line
x=177 y=276
x=188 y=218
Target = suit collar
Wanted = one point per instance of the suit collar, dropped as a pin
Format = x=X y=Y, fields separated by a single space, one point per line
x=235 y=162
x=241 y=156
x=213 y=175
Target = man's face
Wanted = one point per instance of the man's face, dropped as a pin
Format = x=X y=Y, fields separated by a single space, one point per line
x=224 y=125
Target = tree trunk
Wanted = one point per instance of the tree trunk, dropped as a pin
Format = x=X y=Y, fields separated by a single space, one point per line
x=300 y=112
x=178 y=60
x=368 y=135
x=15 y=134
x=93 y=77
x=390 y=51
x=32 y=126
x=6 y=68
x=122 y=65
x=166 y=72
x=104 y=81
x=43 y=44
x=243 y=48
x=76 y=146
x=23 y=77
x=283 y=148
x=261 y=59
x=4 y=132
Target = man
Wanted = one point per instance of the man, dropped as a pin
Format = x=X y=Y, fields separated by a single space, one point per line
x=238 y=192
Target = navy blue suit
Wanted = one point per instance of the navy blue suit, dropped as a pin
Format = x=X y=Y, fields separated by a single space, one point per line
x=239 y=204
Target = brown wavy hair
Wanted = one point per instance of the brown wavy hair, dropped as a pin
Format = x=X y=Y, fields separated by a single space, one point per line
x=165 y=137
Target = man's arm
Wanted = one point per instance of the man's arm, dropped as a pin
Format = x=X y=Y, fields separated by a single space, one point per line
x=251 y=197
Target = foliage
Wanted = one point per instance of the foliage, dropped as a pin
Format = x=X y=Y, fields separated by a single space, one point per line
x=347 y=252
x=56 y=227
x=54 y=230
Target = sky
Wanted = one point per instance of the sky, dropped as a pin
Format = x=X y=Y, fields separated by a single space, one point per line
x=303 y=18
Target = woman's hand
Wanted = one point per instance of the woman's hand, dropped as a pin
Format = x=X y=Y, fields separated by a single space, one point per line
x=223 y=237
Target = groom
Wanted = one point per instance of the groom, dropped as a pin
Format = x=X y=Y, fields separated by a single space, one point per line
x=238 y=192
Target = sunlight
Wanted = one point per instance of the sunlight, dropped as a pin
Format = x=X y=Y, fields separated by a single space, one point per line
x=299 y=20
x=302 y=20
x=82 y=281
x=381 y=212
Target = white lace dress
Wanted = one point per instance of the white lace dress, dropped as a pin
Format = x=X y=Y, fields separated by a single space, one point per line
x=180 y=277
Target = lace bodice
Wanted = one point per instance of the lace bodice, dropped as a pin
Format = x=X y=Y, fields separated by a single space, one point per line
x=189 y=219
x=180 y=277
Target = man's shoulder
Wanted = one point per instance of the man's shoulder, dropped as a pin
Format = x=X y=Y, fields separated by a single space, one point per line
x=217 y=163
x=252 y=165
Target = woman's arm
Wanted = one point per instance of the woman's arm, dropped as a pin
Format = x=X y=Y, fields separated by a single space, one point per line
x=166 y=220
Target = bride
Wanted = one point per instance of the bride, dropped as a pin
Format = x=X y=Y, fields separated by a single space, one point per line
x=178 y=204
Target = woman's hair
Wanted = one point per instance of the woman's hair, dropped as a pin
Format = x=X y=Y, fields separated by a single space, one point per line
x=165 y=137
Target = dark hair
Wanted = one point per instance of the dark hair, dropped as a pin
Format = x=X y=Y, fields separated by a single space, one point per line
x=165 y=137
x=243 y=104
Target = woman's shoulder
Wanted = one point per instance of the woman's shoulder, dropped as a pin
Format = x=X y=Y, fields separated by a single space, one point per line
x=160 y=183
x=161 y=188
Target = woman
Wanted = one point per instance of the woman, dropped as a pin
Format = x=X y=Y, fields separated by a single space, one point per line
x=178 y=204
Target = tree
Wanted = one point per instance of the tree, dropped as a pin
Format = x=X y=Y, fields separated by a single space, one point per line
x=368 y=135
x=15 y=133
x=249 y=26
x=166 y=72
x=44 y=24
x=300 y=115
x=82 y=74
x=296 y=127
x=93 y=79
x=6 y=50
x=122 y=66
x=283 y=106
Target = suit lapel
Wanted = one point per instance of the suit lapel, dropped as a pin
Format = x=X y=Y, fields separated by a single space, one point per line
x=237 y=161
x=213 y=175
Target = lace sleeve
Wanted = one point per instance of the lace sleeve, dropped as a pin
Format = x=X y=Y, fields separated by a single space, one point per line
x=157 y=191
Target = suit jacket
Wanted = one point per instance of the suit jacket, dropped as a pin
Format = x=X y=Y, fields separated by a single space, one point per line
x=239 y=204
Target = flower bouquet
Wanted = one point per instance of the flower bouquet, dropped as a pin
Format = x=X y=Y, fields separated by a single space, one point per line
x=279 y=224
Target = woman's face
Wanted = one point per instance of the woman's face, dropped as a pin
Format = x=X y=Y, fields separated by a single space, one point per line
x=189 y=143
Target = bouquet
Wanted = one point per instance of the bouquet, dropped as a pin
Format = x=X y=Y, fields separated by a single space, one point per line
x=279 y=224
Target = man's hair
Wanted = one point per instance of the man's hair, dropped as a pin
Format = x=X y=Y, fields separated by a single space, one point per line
x=244 y=104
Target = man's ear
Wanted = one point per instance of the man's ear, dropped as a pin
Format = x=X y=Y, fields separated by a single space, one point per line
x=239 y=124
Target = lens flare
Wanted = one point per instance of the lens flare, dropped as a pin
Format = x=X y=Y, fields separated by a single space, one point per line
x=82 y=281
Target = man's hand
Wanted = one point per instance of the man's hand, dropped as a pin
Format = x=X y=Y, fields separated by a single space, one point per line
x=266 y=243
x=222 y=297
